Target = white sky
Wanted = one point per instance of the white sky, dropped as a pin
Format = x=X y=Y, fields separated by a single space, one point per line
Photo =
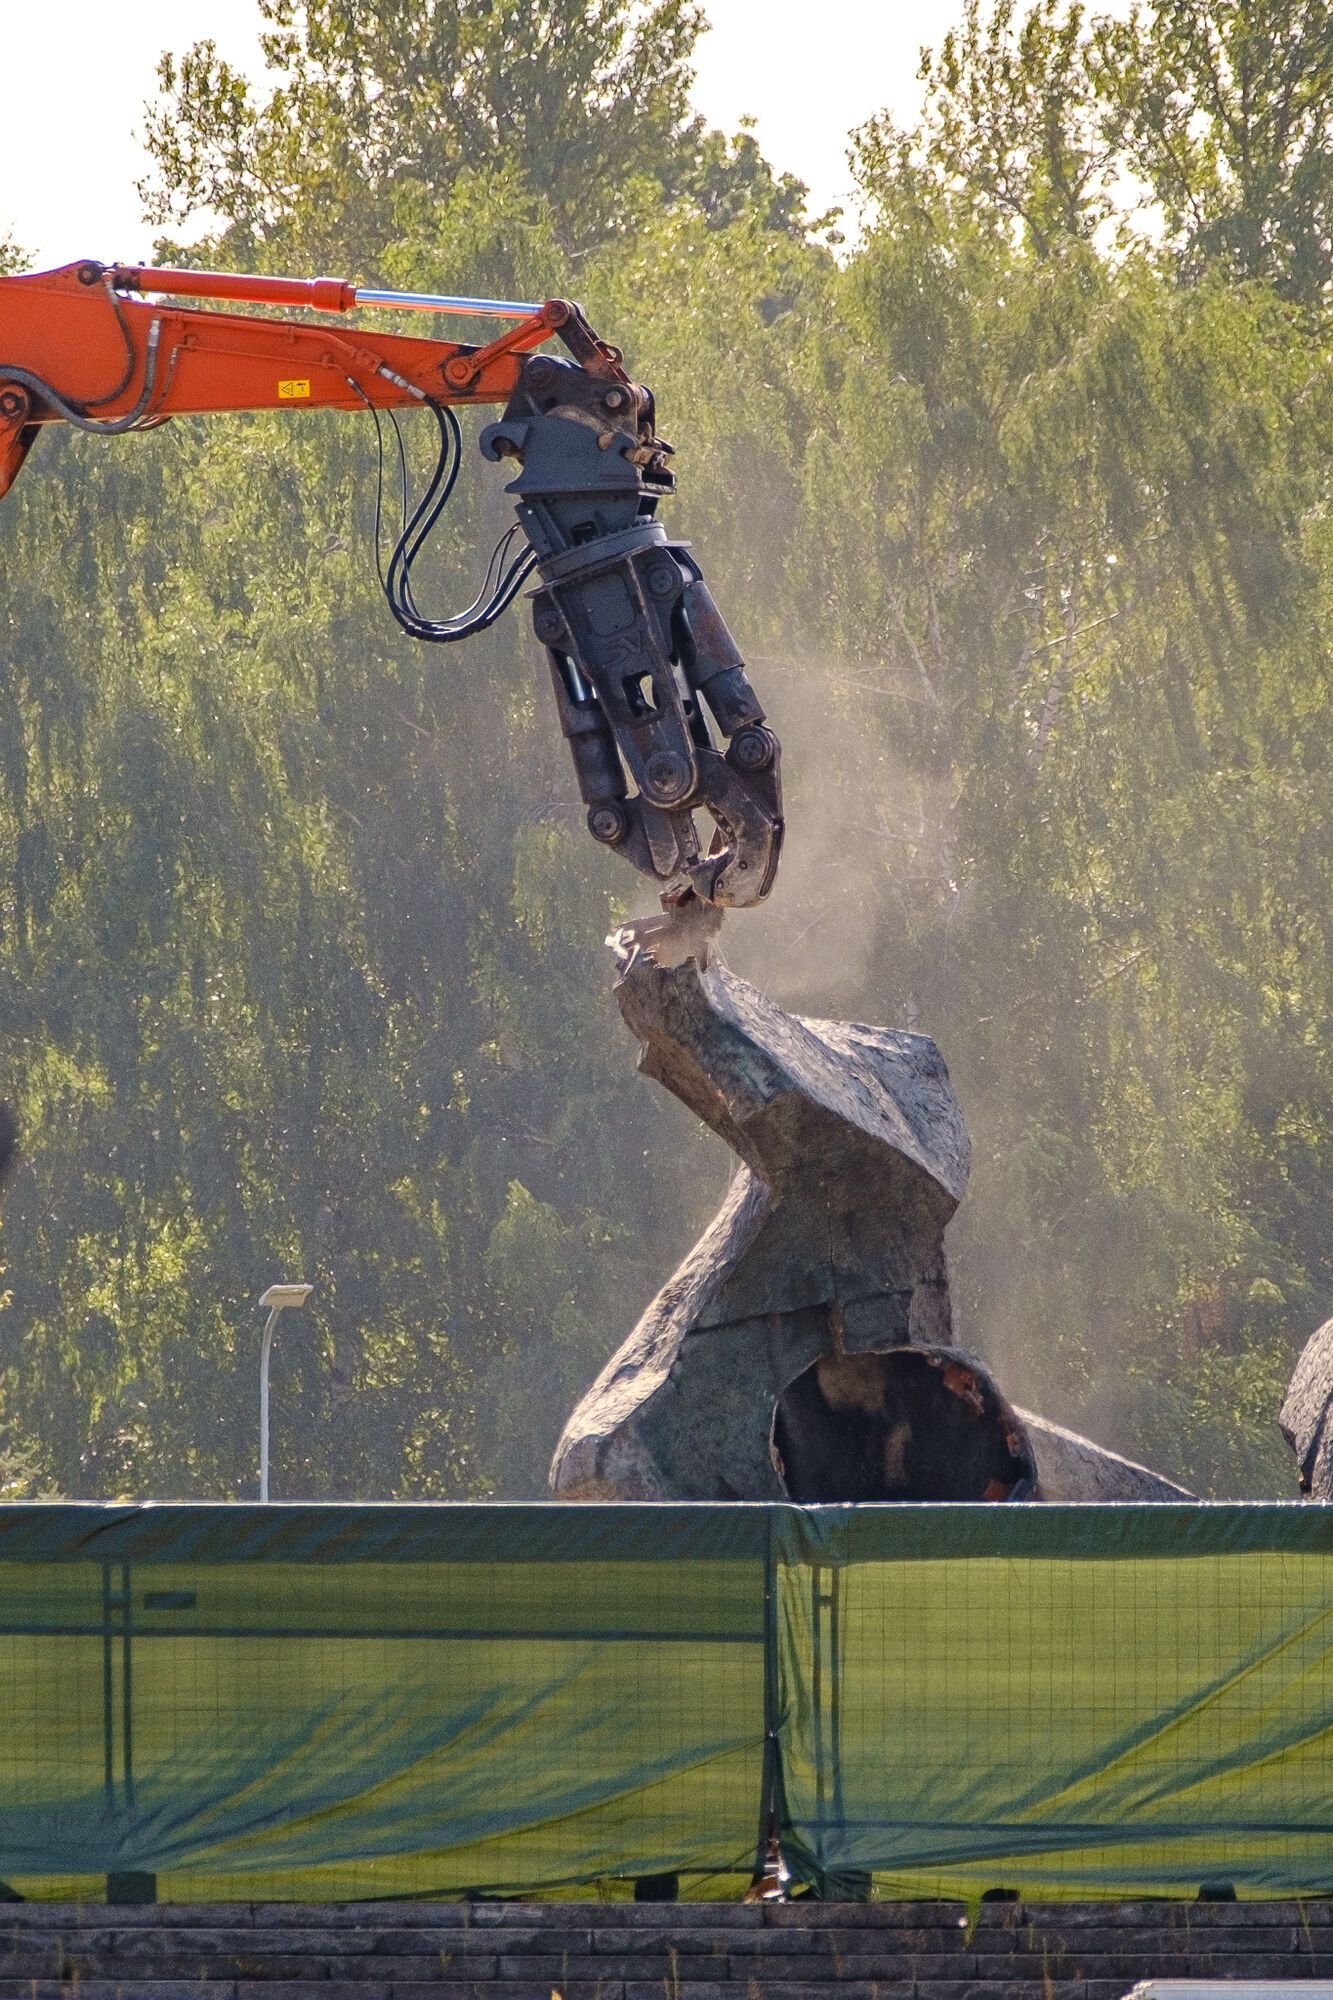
x=69 y=157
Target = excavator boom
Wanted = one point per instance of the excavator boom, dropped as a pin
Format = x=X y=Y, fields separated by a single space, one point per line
x=639 y=656
x=79 y=347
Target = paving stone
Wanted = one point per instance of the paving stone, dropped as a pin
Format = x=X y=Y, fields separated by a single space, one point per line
x=146 y=1949
x=556 y=1971
x=35 y=1937
x=326 y=1916
x=839 y=1971
x=1253 y=1965
x=466 y=1989
x=316 y=1939
x=679 y=1939
x=1108 y=1938
x=1290 y=1945
x=390 y=1916
x=551 y=1916
x=1126 y=1964
x=835 y=1989
x=463 y=1944
x=1112 y=1916
x=862 y=1916
x=1166 y=1915
x=435 y=1989
x=81 y=1966
x=1004 y=1989
x=850 y=1944
x=414 y=1968
x=439 y=1965
x=127 y=1916
x=147 y=1944
x=697 y=1916
x=292 y=1989
x=168 y=1916
x=1000 y=1943
x=131 y=1989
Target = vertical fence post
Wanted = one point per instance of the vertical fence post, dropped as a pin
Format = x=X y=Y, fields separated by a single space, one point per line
x=127 y=1681
x=117 y=1607
x=770 y=1800
x=108 y=1693
x=835 y=1671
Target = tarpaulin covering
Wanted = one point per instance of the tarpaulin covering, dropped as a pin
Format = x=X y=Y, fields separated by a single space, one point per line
x=336 y=1702
x=1068 y=1701
x=310 y=1702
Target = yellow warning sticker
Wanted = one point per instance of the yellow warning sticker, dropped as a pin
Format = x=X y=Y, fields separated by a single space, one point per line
x=293 y=392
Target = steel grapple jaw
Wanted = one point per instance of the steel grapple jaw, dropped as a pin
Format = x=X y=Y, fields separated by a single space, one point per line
x=651 y=690
x=640 y=662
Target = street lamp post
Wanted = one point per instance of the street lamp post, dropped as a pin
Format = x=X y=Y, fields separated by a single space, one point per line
x=277 y=1298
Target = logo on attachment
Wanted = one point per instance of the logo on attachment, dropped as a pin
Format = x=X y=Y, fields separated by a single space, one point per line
x=293 y=392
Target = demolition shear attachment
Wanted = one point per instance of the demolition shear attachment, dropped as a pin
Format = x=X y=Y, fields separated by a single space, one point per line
x=650 y=688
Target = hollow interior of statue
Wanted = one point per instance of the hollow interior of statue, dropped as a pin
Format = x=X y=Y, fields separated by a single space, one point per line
x=914 y=1423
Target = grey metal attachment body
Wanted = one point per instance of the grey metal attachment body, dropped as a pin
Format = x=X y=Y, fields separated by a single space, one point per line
x=639 y=656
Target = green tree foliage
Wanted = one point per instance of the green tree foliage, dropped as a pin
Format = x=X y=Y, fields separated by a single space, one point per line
x=1021 y=513
x=1224 y=110
x=1095 y=524
x=1209 y=122
x=377 y=105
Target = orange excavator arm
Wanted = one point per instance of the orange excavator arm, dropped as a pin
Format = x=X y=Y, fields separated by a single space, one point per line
x=644 y=673
x=77 y=346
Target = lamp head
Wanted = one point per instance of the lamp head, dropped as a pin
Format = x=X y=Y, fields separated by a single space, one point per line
x=279 y=1296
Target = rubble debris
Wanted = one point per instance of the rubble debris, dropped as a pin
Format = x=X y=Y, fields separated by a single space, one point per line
x=1304 y=1416
x=686 y=928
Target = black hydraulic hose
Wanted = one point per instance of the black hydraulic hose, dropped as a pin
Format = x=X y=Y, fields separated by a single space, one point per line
x=99 y=426
x=77 y=413
x=502 y=580
x=432 y=504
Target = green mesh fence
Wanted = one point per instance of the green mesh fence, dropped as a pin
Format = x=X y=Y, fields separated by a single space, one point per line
x=310 y=1703
x=1067 y=1701
x=333 y=1702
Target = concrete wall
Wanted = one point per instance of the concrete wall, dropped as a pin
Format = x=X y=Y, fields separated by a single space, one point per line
x=584 y=1951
